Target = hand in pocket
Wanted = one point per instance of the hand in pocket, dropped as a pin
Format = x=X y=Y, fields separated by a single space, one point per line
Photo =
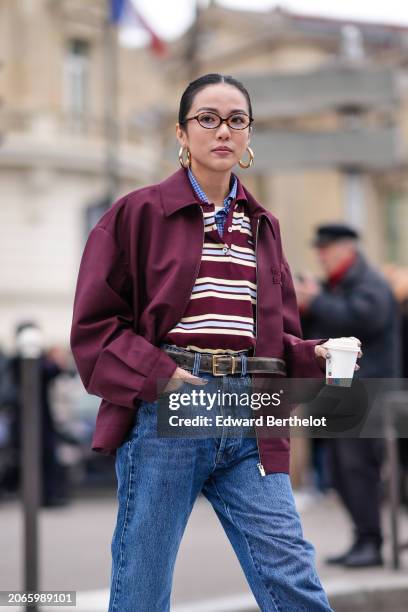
x=180 y=377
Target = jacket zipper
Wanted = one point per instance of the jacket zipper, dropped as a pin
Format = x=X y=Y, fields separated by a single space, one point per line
x=259 y=464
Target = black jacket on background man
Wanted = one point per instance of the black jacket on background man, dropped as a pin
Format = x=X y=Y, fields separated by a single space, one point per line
x=360 y=305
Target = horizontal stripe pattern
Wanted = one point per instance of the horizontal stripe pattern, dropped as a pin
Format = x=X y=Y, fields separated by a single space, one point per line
x=244 y=324
x=220 y=317
x=240 y=223
x=243 y=256
x=224 y=351
x=225 y=331
x=222 y=296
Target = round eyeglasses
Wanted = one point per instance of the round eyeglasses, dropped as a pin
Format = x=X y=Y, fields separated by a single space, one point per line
x=210 y=120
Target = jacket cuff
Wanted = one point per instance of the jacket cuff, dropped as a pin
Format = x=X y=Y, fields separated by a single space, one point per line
x=158 y=377
x=303 y=361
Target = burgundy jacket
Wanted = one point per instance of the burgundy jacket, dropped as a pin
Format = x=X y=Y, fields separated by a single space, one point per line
x=135 y=280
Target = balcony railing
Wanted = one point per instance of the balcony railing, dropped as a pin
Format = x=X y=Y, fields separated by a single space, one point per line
x=50 y=125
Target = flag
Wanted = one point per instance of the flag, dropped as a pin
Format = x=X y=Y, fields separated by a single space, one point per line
x=124 y=14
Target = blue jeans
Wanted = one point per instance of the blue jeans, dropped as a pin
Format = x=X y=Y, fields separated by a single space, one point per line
x=159 y=480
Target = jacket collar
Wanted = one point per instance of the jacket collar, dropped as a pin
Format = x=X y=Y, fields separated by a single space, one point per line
x=176 y=193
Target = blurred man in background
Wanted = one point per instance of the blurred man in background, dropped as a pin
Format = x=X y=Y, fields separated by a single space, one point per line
x=354 y=300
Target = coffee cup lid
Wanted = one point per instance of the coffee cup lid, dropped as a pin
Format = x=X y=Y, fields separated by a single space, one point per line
x=343 y=344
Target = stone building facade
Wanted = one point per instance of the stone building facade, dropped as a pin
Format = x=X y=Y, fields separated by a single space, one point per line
x=55 y=91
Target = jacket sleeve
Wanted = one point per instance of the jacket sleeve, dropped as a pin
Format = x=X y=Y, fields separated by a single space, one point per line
x=300 y=354
x=363 y=313
x=114 y=362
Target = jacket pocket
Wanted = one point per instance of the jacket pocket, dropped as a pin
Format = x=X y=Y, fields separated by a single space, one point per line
x=276 y=276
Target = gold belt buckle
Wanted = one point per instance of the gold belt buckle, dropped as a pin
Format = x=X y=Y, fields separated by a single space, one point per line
x=215 y=364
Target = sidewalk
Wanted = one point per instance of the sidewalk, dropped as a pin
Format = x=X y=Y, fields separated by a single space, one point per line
x=75 y=555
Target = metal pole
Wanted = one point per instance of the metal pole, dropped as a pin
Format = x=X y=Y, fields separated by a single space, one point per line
x=30 y=351
x=112 y=133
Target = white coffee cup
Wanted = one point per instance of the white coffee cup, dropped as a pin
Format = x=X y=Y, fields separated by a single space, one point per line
x=341 y=363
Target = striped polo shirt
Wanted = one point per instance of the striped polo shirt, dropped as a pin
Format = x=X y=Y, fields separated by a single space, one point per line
x=220 y=316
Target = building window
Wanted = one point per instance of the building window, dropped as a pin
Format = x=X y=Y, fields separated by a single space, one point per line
x=76 y=83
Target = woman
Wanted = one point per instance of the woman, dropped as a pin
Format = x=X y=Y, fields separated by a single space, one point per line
x=180 y=283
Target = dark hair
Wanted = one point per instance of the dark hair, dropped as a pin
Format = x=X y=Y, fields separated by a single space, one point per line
x=208 y=79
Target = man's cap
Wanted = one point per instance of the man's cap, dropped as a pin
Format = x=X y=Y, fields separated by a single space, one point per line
x=331 y=232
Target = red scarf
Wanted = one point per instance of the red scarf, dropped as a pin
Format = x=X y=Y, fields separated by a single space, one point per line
x=337 y=275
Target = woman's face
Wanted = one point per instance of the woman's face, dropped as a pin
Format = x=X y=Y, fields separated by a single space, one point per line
x=217 y=149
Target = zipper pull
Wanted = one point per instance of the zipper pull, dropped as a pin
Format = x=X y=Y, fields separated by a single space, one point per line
x=261 y=469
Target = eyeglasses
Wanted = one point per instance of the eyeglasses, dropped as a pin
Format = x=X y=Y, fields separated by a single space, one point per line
x=210 y=120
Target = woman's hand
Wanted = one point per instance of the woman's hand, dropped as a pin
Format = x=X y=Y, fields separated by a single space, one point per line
x=180 y=377
x=322 y=353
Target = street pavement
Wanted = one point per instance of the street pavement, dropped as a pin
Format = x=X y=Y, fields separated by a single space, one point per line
x=75 y=554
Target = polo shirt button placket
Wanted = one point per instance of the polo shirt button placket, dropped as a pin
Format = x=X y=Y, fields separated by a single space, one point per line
x=227 y=236
x=227 y=239
x=228 y=226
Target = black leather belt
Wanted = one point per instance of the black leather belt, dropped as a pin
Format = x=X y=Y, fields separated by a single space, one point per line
x=223 y=365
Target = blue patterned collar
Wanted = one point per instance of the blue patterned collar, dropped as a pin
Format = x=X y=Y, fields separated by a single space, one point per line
x=201 y=195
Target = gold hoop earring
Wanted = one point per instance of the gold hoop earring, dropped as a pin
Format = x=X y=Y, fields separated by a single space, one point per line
x=250 y=161
x=184 y=163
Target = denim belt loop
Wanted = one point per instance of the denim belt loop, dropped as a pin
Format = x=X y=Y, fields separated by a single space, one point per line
x=244 y=363
x=196 y=366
